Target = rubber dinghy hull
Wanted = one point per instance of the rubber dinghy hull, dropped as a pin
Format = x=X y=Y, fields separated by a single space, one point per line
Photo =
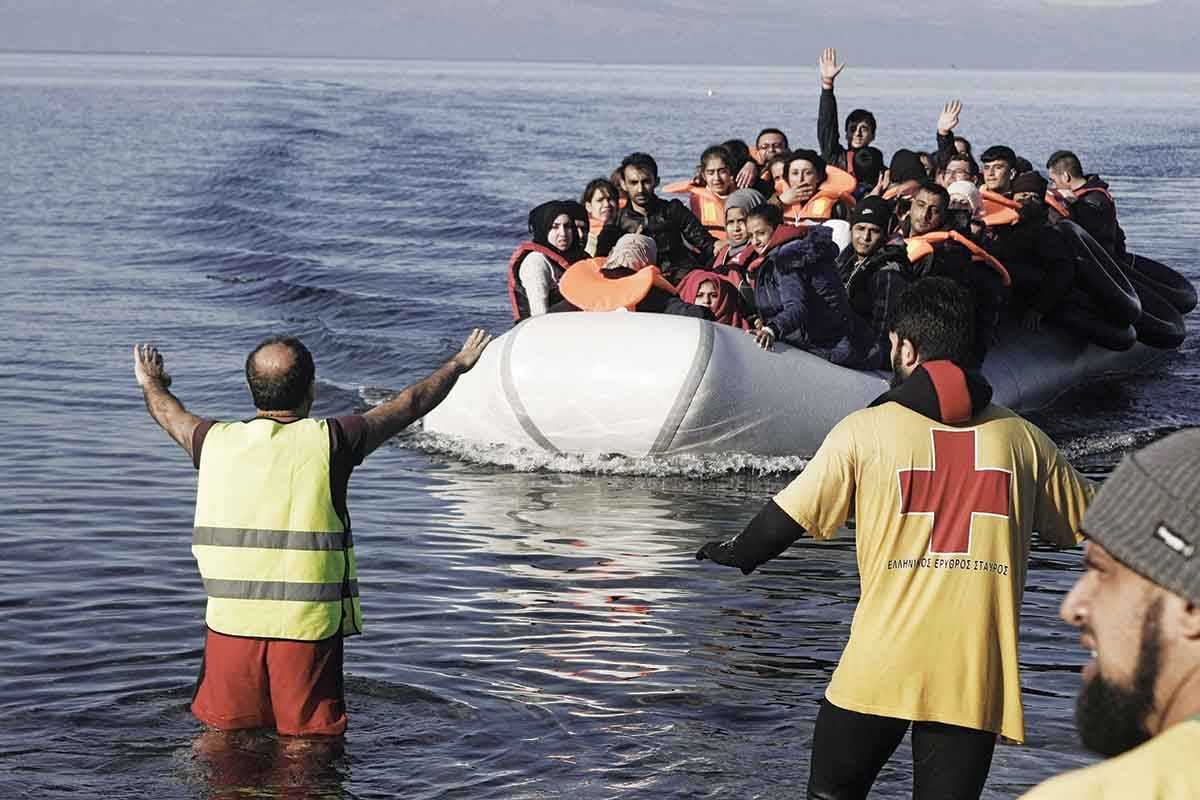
x=654 y=384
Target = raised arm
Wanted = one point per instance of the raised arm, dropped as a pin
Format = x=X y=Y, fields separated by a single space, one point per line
x=164 y=407
x=828 y=132
x=947 y=122
x=387 y=419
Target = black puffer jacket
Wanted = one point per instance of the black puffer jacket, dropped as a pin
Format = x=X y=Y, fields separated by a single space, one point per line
x=1039 y=260
x=874 y=285
x=683 y=243
x=1097 y=214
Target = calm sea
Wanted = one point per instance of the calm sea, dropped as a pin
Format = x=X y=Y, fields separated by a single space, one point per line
x=535 y=628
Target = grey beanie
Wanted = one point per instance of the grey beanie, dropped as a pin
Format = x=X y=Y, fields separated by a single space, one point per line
x=1147 y=514
x=745 y=199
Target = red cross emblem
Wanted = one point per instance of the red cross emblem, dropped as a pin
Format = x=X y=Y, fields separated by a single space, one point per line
x=954 y=490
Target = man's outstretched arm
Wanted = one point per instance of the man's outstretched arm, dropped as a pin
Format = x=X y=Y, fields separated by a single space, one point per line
x=770 y=533
x=164 y=407
x=387 y=419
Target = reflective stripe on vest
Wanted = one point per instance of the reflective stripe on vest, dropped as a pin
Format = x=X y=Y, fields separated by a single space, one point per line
x=276 y=557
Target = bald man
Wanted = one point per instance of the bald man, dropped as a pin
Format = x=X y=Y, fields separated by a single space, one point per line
x=272 y=533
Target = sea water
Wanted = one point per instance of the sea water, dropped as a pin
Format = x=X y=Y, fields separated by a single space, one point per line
x=536 y=626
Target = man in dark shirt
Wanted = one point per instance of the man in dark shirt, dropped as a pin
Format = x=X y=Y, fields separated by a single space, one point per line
x=272 y=534
x=1089 y=202
x=860 y=123
x=682 y=241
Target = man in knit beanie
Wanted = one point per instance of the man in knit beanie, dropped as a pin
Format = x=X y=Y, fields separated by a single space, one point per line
x=1137 y=607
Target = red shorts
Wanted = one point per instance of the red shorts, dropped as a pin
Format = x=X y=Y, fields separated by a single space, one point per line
x=294 y=687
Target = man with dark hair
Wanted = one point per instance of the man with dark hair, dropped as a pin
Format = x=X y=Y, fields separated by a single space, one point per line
x=1137 y=607
x=682 y=242
x=860 y=123
x=769 y=143
x=868 y=169
x=1088 y=201
x=1038 y=258
x=999 y=168
x=272 y=534
x=953 y=166
x=946 y=489
x=937 y=249
x=875 y=270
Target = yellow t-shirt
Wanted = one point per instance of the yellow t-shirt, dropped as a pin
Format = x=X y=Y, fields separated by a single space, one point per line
x=1163 y=768
x=944 y=515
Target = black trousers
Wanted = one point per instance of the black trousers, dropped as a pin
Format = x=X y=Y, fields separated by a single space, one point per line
x=849 y=749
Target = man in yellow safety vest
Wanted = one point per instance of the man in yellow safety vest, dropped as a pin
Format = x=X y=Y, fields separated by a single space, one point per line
x=272 y=533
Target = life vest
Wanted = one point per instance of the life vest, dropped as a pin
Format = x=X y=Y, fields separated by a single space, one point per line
x=516 y=292
x=838 y=186
x=921 y=246
x=1058 y=205
x=999 y=210
x=584 y=285
x=707 y=205
x=276 y=556
x=1064 y=210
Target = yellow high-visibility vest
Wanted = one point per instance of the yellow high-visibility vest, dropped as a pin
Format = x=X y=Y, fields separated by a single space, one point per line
x=276 y=558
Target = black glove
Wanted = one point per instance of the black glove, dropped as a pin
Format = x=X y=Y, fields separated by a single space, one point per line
x=770 y=533
x=724 y=553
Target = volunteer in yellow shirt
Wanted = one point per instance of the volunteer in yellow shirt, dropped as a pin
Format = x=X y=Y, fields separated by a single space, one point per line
x=1137 y=608
x=946 y=489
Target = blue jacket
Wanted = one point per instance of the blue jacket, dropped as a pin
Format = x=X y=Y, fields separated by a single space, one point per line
x=800 y=296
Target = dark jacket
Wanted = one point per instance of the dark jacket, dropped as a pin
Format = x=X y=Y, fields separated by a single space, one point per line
x=1037 y=257
x=1097 y=215
x=800 y=296
x=829 y=135
x=873 y=286
x=951 y=260
x=683 y=243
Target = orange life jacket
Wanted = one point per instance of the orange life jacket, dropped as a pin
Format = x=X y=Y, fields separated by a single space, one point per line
x=585 y=286
x=1058 y=205
x=707 y=205
x=921 y=246
x=516 y=292
x=838 y=186
x=999 y=210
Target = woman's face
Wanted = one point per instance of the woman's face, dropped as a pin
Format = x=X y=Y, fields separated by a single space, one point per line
x=803 y=175
x=602 y=206
x=562 y=233
x=717 y=176
x=707 y=294
x=735 y=226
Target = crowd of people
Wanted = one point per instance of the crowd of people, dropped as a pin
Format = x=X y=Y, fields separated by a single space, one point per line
x=756 y=227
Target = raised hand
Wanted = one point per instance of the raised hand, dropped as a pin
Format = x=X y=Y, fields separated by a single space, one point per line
x=148 y=366
x=472 y=349
x=747 y=175
x=828 y=67
x=948 y=119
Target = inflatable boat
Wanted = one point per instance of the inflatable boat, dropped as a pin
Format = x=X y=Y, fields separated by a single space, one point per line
x=654 y=384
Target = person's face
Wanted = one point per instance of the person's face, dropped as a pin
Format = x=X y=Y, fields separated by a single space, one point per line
x=860 y=134
x=958 y=170
x=707 y=294
x=602 y=205
x=777 y=171
x=562 y=232
x=998 y=175
x=735 y=226
x=640 y=183
x=1118 y=615
x=927 y=213
x=717 y=176
x=770 y=145
x=1060 y=179
x=866 y=238
x=760 y=233
x=802 y=175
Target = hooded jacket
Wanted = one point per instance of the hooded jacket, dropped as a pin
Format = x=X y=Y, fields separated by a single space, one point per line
x=800 y=296
x=1096 y=213
x=1038 y=258
x=873 y=286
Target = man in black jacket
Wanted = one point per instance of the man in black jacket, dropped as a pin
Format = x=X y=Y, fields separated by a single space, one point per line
x=875 y=270
x=1089 y=201
x=860 y=123
x=1038 y=258
x=683 y=243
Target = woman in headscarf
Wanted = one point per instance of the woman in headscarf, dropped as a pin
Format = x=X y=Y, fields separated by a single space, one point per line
x=714 y=292
x=537 y=266
x=737 y=238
